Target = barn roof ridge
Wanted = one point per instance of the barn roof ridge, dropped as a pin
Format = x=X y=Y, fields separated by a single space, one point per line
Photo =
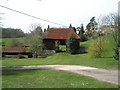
x=59 y=33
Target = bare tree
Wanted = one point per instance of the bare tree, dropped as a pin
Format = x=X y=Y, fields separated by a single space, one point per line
x=35 y=30
x=1 y=18
x=112 y=22
x=111 y=19
x=33 y=26
x=35 y=40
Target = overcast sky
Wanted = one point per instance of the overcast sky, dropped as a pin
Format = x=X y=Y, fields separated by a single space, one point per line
x=64 y=12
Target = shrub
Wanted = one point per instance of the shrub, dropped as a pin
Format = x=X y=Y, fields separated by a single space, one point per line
x=37 y=46
x=98 y=47
x=116 y=37
x=72 y=45
x=116 y=55
x=83 y=38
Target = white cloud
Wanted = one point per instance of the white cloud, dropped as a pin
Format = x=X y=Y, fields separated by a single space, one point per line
x=60 y=11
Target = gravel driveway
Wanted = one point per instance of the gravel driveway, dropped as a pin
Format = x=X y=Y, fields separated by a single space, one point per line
x=110 y=76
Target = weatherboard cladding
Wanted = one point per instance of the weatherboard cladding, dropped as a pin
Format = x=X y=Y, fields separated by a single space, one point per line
x=59 y=33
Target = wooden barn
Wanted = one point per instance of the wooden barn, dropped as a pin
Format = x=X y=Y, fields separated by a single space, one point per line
x=9 y=51
x=57 y=35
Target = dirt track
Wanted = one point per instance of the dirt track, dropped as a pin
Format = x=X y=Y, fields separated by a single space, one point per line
x=110 y=76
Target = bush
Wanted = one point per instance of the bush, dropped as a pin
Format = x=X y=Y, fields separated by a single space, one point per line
x=37 y=46
x=98 y=47
x=116 y=37
x=72 y=45
x=83 y=38
x=116 y=56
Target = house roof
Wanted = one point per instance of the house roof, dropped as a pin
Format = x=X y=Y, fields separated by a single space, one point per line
x=14 y=49
x=109 y=26
x=59 y=33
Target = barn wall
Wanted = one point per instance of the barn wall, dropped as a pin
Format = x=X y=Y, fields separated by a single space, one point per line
x=49 y=44
x=62 y=42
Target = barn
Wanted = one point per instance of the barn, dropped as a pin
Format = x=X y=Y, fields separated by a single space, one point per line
x=9 y=51
x=53 y=36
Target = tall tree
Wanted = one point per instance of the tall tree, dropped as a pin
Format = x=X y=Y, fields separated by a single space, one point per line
x=44 y=30
x=78 y=29
x=70 y=26
x=91 y=26
x=74 y=29
x=48 y=26
x=81 y=30
x=81 y=34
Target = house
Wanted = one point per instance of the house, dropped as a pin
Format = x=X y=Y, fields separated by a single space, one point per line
x=10 y=51
x=108 y=28
x=54 y=36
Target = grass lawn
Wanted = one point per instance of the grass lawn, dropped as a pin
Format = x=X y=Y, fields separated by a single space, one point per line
x=58 y=79
x=7 y=41
x=108 y=62
x=65 y=59
x=86 y=43
x=49 y=79
x=62 y=47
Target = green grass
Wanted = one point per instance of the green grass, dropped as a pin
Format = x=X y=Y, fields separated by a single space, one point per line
x=65 y=59
x=86 y=43
x=63 y=47
x=110 y=51
x=7 y=41
x=49 y=79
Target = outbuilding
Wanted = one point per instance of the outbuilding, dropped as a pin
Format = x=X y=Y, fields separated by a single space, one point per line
x=9 y=51
x=57 y=36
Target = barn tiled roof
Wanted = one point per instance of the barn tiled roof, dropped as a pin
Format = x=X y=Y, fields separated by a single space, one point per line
x=14 y=49
x=59 y=33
